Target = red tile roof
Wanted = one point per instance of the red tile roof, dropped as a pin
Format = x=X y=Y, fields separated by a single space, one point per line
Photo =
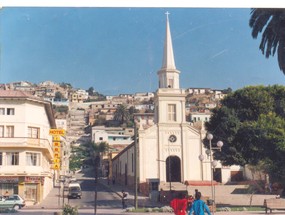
x=16 y=94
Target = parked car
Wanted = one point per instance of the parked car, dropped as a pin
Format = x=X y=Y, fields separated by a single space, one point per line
x=12 y=201
x=74 y=191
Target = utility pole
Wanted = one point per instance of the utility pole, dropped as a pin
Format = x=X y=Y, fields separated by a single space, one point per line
x=136 y=166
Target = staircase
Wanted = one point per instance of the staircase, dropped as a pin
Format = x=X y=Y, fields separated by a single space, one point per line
x=177 y=186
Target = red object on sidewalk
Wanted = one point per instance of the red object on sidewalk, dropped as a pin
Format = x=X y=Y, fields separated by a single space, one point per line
x=179 y=206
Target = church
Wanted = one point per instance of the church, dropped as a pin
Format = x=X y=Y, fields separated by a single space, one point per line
x=166 y=153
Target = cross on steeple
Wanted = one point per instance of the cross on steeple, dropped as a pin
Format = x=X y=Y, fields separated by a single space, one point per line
x=167 y=13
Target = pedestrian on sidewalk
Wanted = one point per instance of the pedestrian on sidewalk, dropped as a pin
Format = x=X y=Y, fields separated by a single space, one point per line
x=196 y=191
x=124 y=199
x=199 y=206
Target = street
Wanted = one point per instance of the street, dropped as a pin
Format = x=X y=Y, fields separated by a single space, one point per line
x=105 y=198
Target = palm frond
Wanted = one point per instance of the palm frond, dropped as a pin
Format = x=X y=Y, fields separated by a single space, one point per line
x=258 y=20
x=281 y=55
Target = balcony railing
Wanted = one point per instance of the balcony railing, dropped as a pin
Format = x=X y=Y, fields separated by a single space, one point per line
x=11 y=142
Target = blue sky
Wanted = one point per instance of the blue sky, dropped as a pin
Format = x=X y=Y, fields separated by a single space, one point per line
x=119 y=50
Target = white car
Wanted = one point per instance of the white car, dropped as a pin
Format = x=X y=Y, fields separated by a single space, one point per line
x=12 y=201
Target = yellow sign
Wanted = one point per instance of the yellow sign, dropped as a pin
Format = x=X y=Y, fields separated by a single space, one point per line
x=56 y=149
x=56 y=160
x=56 y=138
x=55 y=132
x=56 y=144
x=55 y=166
x=56 y=155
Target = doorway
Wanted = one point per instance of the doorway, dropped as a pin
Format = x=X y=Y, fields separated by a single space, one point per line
x=31 y=192
x=173 y=169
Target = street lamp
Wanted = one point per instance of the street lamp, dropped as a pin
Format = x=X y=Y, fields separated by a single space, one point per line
x=172 y=138
x=213 y=163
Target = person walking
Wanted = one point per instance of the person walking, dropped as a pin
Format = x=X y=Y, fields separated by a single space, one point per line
x=199 y=207
x=124 y=199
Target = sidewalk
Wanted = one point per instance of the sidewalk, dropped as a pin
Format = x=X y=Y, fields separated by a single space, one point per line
x=52 y=201
x=143 y=201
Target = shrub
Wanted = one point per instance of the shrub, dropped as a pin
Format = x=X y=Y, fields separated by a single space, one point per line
x=69 y=210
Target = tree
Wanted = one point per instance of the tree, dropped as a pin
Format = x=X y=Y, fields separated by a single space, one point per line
x=66 y=86
x=90 y=91
x=58 y=96
x=122 y=114
x=251 y=123
x=273 y=37
x=228 y=90
x=78 y=157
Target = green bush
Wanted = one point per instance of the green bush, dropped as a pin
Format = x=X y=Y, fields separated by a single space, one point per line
x=69 y=210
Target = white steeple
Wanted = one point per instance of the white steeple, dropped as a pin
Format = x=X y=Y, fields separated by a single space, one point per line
x=168 y=57
x=168 y=74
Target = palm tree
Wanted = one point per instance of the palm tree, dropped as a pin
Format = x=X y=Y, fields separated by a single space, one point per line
x=96 y=150
x=122 y=114
x=273 y=36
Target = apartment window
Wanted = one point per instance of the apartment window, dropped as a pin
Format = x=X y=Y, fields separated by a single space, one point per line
x=10 y=111
x=172 y=112
x=2 y=111
x=100 y=138
x=32 y=159
x=1 y=158
x=33 y=132
x=12 y=158
x=1 y=131
x=10 y=131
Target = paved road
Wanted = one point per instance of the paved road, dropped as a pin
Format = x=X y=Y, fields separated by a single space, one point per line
x=105 y=199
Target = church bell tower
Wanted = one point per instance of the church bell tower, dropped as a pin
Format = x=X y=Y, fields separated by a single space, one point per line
x=170 y=99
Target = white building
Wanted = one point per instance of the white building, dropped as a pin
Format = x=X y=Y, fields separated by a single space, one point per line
x=200 y=117
x=26 y=150
x=169 y=150
x=48 y=84
x=112 y=135
x=143 y=96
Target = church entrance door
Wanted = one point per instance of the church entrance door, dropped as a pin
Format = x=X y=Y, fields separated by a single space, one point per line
x=173 y=169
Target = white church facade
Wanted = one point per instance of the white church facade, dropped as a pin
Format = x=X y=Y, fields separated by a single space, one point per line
x=167 y=151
